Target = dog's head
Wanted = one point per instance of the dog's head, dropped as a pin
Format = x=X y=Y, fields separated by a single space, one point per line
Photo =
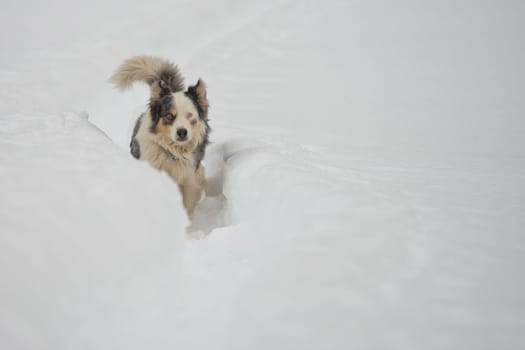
x=180 y=115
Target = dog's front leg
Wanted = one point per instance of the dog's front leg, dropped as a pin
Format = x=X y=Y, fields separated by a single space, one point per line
x=191 y=195
x=192 y=190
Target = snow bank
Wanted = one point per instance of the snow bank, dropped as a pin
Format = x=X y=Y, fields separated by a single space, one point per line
x=91 y=240
x=319 y=256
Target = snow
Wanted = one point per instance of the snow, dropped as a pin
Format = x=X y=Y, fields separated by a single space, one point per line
x=366 y=178
x=82 y=262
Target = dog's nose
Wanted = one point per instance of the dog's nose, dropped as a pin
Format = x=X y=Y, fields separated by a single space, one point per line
x=182 y=133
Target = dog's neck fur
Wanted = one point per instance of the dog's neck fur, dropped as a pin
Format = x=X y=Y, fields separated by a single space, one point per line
x=182 y=153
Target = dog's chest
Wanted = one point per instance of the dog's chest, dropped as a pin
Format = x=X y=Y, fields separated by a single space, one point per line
x=163 y=160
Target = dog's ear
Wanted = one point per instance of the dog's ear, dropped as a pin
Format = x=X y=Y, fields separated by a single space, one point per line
x=160 y=100
x=198 y=94
x=159 y=107
x=159 y=89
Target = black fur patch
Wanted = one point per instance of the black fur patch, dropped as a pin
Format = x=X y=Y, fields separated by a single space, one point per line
x=134 y=145
x=159 y=108
x=200 y=150
x=191 y=93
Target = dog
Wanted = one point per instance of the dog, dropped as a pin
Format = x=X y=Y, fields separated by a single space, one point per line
x=172 y=134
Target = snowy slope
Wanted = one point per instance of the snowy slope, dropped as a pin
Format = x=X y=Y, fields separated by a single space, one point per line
x=366 y=177
x=83 y=263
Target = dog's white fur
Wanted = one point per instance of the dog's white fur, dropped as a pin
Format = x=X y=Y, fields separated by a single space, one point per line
x=157 y=139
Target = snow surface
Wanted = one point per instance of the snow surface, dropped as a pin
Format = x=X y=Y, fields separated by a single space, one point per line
x=366 y=177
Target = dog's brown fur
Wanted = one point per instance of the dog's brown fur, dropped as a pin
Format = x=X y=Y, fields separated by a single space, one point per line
x=155 y=137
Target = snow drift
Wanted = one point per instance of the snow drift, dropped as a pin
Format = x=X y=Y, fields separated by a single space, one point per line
x=91 y=240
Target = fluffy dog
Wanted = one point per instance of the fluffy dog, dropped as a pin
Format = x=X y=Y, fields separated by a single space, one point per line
x=173 y=133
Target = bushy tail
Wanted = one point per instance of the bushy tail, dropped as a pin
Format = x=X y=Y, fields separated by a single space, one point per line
x=148 y=69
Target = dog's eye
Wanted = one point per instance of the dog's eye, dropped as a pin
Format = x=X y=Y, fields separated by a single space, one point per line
x=170 y=117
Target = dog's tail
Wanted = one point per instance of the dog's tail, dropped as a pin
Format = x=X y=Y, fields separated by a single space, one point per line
x=148 y=69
